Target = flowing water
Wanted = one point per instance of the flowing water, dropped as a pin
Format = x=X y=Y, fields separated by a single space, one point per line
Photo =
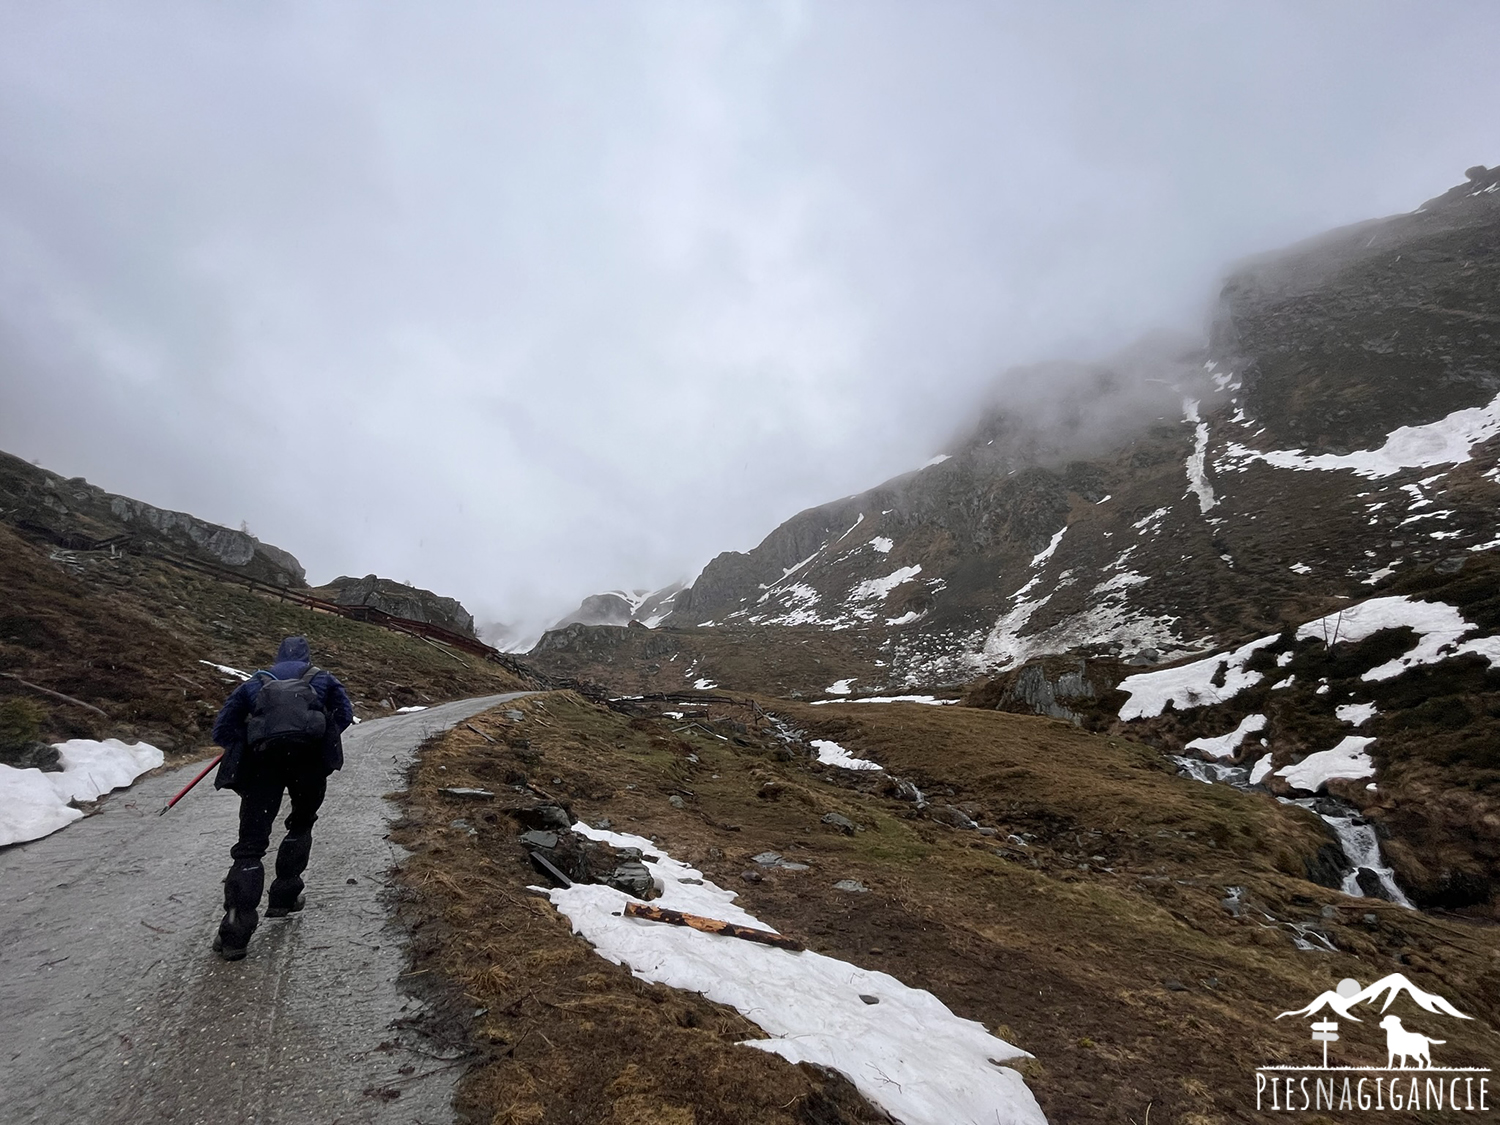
x=1356 y=836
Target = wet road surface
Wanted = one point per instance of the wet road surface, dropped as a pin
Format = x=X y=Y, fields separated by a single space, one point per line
x=113 y=1009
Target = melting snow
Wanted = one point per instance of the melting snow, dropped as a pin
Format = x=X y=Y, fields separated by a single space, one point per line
x=1300 y=568
x=1438 y=625
x=1356 y=714
x=1190 y=685
x=839 y=687
x=409 y=710
x=882 y=544
x=1197 y=478
x=35 y=804
x=227 y=670
x=938 y=460
x=1046 y=552
x=704 y=683
x=1225 y=745
x=1260 y=769
x=873 y=588
x=908 y=1054
x=1151 y=518
x=1447 y=441
x=929 y=699
x=832 y=754
x=1346 y=760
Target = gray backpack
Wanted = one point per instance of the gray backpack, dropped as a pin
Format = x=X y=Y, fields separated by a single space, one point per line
x=287 y=709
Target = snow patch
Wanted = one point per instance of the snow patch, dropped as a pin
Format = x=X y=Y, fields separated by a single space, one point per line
x=227 y=670
x=882 y=544
x=1355 y=714
x=928 y=699
x=35 y=804
x=1346 y=760
x=839 y=687
x=873 y=588
x=908 y=1054
x=1190 y=685
x=832 y=754
x=938 y=460
x=1197 y=478
x=1224 y=745
x=1448 y=441
x=1437 y=624
x=1046 y=552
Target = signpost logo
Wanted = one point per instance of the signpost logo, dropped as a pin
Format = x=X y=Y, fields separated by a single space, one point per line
x=1411 y=1078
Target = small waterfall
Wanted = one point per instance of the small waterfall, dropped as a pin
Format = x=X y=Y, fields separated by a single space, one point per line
x=1355 y=835
x=1211 y=772
x=1357 y=838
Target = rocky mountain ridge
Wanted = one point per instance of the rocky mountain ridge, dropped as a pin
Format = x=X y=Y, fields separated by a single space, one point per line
x=620 y=607
x=71 y=512
x=1295 y=526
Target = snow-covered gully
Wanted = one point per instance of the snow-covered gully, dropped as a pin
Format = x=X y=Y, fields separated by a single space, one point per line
x=901 y=1046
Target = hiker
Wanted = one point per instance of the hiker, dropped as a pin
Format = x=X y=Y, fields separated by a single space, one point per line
x=280 y=730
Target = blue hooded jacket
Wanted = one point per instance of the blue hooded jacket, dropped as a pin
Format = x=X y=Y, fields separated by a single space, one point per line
x=292 y=660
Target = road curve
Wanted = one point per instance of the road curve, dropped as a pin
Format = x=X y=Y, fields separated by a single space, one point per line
x=113 y=1009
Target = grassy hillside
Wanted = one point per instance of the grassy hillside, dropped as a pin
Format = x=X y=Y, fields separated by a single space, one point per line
x=128 y=634
x=1089 y=928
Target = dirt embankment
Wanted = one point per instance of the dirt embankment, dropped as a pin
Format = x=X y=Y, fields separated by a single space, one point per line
x=1090 y=918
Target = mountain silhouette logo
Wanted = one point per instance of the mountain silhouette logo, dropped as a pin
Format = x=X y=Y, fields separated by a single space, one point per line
x=1410 y=1077
x=1343 y=999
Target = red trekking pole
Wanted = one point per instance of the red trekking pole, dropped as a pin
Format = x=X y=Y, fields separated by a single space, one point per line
x=189 y=785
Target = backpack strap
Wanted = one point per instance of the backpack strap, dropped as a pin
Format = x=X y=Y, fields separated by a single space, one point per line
x=312 y=670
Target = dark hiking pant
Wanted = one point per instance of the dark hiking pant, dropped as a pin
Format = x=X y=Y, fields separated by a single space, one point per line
x=298 y=771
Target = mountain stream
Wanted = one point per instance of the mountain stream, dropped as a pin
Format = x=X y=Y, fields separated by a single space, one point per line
x=1366 y=872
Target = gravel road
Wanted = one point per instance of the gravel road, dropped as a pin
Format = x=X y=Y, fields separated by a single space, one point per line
x=113 y=1009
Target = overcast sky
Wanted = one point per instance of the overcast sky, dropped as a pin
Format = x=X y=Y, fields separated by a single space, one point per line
x=520 y=302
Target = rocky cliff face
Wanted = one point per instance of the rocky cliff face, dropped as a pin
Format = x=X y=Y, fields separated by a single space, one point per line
x=72 y=512
x=400 y=600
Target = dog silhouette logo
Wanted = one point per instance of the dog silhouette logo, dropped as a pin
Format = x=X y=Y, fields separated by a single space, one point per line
x=1403 y=1044
x=1411 y=1078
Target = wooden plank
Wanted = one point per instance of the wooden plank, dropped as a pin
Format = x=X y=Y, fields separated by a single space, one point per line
x=711 y=926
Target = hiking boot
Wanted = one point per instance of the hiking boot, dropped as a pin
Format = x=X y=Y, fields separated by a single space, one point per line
x=283 y=911
x=233 y=938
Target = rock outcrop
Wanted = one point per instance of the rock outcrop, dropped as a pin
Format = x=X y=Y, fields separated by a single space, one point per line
x=400 y=600
x=74 y=513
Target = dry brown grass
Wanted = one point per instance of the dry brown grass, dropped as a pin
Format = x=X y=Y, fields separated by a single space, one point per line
x=1073 y=964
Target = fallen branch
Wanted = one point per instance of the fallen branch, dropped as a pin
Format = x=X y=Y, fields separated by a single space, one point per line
x=479 y=732
x=711 y=926
x=55 y=694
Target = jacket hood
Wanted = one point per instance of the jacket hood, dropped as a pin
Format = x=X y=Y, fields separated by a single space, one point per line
x=293 y=648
